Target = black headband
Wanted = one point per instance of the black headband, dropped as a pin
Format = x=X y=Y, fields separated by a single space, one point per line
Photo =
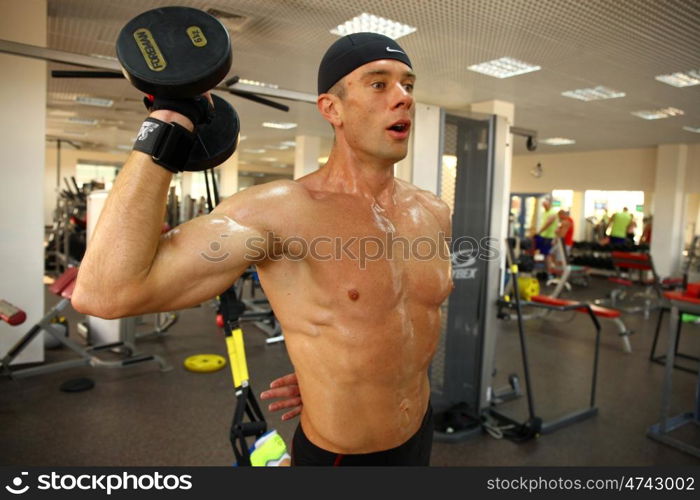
x=351 y=52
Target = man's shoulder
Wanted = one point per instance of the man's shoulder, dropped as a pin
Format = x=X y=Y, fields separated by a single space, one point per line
x=257 y=204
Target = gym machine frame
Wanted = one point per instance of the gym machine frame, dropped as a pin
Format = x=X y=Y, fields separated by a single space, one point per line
x=660 y=431
x=534 y=422
x=64 y=288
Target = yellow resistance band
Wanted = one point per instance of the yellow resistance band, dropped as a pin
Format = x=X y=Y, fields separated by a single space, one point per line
x=236 y=353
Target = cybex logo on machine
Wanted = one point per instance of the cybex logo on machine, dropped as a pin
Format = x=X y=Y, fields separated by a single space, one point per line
x=150 y=50
x=462 y=262
x=108 y=483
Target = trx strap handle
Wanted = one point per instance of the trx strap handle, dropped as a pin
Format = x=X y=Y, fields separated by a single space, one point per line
x=246 y=403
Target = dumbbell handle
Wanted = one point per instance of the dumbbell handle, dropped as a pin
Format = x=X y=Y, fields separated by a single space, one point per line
x=11 y=314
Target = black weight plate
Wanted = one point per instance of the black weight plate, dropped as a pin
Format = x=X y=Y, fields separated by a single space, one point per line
x=77 y=385
x=216 y=140
x=174 y=52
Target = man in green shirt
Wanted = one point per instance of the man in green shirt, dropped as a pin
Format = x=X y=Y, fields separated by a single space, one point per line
x=546 y=233
x=619 y=224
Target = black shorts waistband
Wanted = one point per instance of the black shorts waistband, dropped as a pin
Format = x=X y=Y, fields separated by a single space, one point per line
x=415 y=451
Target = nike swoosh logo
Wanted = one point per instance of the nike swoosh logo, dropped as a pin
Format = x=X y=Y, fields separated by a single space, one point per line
x=389 y=49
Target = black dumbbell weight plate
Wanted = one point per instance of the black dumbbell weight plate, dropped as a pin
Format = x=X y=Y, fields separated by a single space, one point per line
x=174 y=52
x=217 y=140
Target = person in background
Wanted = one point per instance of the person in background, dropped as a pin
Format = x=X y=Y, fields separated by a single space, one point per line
x=601 y=226
x=645 y=239
x=565 y=231
x=545 y=235
x=618 y=226
x=631 y=227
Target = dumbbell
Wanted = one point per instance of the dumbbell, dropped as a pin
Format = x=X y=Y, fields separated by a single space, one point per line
x=180 y=52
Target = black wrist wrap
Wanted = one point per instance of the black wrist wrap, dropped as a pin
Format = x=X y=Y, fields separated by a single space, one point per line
x=169 y=144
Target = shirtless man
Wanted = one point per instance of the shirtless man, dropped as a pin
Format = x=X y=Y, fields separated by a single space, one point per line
x=360 y=332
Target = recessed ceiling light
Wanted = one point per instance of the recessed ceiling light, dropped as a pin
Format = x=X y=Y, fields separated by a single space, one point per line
x=370 y=23
x=593 y=94
x=254 y=151
x=505 y=67
x=692 y=129
x=657 y=114
x=61 y=112
x=680 y=79
x=83 y=121
x=258 y=84
x=279 y=125
x=94 y=101
x=558 y=141
x=100 y=56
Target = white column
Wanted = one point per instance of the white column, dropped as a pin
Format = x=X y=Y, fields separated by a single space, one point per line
x=306 y=153
x=578 y=215
x=22 y=150
x=669 y=208
x=228 y=175
x=426 y=146
x=495 y=107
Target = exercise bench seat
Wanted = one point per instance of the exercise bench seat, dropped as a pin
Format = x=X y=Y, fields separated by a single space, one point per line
x=599 y=311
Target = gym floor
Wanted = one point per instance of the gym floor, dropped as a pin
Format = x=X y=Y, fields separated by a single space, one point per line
x=138 y=416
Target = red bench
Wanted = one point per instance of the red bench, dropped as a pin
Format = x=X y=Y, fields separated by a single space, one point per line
x=601 y=312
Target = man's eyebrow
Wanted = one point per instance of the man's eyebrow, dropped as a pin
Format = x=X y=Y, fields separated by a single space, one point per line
x=383 y=72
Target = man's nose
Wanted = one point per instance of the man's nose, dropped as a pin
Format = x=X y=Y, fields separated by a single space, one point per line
x=402 y=97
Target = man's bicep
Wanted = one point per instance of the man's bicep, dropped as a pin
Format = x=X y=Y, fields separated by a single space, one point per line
x=199 y=259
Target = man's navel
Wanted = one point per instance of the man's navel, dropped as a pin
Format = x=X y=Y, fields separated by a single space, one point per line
x=353 y=294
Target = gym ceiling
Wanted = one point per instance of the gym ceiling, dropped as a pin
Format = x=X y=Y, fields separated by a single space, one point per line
x=619 y=44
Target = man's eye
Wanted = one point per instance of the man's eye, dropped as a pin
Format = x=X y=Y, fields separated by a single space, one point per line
x=377 y=85
x=408 y=87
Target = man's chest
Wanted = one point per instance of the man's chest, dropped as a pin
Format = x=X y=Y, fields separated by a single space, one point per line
x=374 y=257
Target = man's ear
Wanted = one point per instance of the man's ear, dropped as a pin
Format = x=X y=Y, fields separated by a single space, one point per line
x=330 y=108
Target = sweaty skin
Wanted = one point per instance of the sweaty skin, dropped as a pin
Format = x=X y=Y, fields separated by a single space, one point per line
x=361 y=325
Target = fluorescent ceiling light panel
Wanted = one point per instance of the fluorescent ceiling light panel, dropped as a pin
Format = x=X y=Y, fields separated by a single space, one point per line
x=94 y=101
x=83 y=121
x=258 y=84
x=557 y=141
x=681 y=79
x=279 y=125
x=370 y=23
x=289 y=144
x=255 y=151
x=269 y=159
x=278 y=147
x=593 y=94
x=692 y=129
x=658 y=114
x=124 y=147
x=61 y=112
x=505 y=67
